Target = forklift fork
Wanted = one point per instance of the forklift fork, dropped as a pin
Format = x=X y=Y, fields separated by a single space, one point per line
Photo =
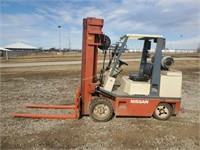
x=74 y=107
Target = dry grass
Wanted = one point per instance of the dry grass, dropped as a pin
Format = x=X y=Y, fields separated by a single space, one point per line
x=187 y=65
x=44 y=57
x=61 y=57
x=62 y=70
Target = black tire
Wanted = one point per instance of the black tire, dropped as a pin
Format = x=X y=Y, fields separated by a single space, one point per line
x=163 y=111
x=101 y=110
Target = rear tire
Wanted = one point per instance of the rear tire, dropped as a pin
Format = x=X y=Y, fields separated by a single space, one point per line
x=163 y=111
x=101 y=110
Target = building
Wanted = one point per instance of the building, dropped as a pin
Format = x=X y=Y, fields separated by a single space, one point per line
x=4 y=52
x=20 y=49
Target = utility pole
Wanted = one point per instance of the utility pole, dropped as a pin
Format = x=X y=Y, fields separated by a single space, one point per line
x=59 y=27
x=170 y=45
x=69 y=42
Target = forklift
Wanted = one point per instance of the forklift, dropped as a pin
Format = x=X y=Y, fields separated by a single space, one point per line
x=155 y=90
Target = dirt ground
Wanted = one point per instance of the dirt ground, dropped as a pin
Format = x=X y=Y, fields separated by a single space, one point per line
x=57 y=85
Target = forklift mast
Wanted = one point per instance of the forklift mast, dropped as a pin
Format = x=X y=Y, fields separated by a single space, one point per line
x=93 y=39
x=92 y=33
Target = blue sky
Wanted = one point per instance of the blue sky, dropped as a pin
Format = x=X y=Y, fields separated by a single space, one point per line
x=36 y=21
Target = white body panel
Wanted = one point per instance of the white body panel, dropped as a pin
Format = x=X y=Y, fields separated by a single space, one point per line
x=170 y=83
x=134 y=87
x=108 y=82
x=141 y=36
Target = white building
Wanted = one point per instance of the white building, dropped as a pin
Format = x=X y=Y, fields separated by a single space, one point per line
x=20 y=49
x=4 y=52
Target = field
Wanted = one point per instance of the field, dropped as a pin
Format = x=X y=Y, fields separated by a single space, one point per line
x=57 y=85
x=69 y=56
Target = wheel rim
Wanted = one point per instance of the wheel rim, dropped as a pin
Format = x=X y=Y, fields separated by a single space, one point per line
x=162 y=112
x=101 y=111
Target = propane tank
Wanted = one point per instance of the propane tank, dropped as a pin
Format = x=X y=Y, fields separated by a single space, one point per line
x=166 y=62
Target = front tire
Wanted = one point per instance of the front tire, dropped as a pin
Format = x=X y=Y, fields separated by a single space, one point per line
x=101 y=110
x=163 y=111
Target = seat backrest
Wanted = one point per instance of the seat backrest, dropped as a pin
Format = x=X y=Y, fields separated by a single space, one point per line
x=145 y=75
x=148 y=68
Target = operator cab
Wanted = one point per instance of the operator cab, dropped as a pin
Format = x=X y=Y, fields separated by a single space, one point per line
x=151 y=75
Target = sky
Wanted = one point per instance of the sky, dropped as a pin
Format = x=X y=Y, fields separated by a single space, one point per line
x=36 y=21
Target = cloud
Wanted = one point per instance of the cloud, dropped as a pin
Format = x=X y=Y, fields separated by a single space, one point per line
x=9 y=20
x=171 y=18
x=24 y=27
x=191 y=43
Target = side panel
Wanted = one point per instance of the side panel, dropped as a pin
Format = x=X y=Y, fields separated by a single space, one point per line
x=141 y=106
x=170 y=84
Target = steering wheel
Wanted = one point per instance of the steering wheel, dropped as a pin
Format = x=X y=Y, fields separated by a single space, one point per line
x=122 y=63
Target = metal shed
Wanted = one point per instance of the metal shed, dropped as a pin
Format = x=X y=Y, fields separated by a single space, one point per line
x=6 y=52
x=20 y=49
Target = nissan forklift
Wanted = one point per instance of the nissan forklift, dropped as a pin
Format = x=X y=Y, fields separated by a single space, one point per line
x=155 y=90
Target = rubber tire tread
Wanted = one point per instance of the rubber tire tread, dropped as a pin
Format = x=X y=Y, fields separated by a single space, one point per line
x=168 y=106
x=99 y=100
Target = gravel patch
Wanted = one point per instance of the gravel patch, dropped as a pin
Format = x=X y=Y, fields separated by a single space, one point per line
x=180 y=132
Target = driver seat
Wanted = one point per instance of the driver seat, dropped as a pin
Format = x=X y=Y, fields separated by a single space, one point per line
x=145 y=75
x=138 y=77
